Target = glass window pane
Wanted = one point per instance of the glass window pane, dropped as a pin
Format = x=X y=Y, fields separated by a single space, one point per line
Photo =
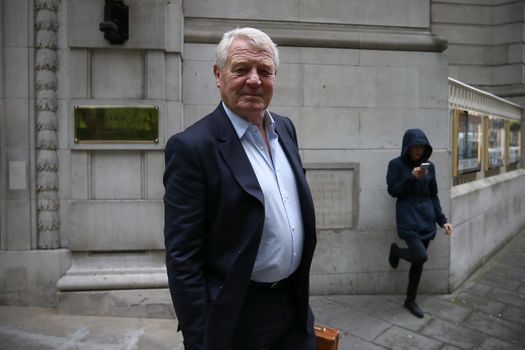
x=469 y=142
x=496 y=142
x=514 y=142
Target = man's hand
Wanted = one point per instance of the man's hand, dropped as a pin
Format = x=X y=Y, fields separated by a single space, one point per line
x=419 y=172
x=448 y=229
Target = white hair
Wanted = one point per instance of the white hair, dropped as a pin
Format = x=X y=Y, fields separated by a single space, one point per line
x=257 y=38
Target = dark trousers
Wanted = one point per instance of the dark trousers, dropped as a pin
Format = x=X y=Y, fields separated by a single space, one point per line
x=416 y=253
x=268 y=321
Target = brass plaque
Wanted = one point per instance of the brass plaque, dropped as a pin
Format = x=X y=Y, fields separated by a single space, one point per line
x=116 y=124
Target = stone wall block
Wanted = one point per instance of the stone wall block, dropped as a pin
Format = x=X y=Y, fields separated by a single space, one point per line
x=17 y=21
x=16 y=78
x=118 y=74
x=173 y=75
x=155 y=73
x=18 y=225
x=116 y=175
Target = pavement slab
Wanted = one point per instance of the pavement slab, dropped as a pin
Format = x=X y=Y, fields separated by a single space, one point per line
x=475 y=288
x=444 y=309
x=478 y=303
x=348 y=341
x=398 y=338
x=34 y=328
x=388 y=309
x=497 y=344
x=513 y=314
x=508 y=297
x=453 y=334
x=448 y=347
x=348 y=319
x=496 y=327
x=503 y=276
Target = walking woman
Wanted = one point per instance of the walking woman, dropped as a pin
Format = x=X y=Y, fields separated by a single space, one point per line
x=411 y=178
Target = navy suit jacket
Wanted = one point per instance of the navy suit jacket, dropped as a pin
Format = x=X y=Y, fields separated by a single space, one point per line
x=214 y=216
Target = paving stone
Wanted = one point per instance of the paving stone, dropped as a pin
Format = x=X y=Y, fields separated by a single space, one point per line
x=444 y=309
x=506 y=282
x=449 y=347
x=497 y=344
x=503 y=277
x=397 y=338
x=34 y=328
x=452 y=333
x=360 y=324
x=508 y=297
x=350 y=342
x=476 y=288
x=521 y=289
x=347 y=319
x=478 y=303
x=15 y=342
x=398 y=299
x=496 y=327
x=512 y=258
x=387 y=309
x=513 y=314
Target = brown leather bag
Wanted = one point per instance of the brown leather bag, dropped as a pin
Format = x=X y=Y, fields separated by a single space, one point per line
x=327 y=337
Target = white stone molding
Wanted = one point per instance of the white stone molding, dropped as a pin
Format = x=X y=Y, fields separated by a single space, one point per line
x=46 y=106
x=466 y=97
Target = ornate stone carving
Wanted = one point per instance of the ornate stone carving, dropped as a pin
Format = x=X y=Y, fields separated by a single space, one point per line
x=46 y=106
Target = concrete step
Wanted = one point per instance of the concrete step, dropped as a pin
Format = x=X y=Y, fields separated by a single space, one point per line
x=122 y=284
x=141 y=303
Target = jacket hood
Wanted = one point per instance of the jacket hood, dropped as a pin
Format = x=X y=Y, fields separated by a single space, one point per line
x=415 y=137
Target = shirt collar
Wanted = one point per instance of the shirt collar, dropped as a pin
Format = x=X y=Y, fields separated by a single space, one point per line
x=241 y=125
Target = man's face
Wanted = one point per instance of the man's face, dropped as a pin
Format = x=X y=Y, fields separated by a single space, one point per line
x=246 y=81
x=416 y=152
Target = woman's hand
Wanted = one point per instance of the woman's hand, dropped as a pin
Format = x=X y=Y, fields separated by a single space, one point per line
x=448 y=229
x=419 y=172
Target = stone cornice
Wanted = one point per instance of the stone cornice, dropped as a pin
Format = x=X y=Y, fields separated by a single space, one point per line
x=209 y=31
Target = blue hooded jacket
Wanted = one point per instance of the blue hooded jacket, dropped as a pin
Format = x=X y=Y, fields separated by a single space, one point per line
x=417 y=207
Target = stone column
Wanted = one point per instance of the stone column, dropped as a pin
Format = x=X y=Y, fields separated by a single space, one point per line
x=46 y=85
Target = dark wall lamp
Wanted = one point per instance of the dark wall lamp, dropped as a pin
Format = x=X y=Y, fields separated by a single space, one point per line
x=116 y=20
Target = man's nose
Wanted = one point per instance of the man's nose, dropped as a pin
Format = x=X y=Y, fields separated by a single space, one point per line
x=253 y=78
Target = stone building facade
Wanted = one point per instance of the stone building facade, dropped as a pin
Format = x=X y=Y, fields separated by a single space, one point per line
x=81 y=224
x=485 y=43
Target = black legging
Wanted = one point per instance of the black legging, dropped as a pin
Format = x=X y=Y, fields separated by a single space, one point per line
x=416 y=253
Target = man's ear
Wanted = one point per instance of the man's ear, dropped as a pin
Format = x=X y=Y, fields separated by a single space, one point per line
x=217 y=73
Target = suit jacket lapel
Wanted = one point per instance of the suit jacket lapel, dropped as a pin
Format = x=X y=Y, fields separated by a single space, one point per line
x=234 y=156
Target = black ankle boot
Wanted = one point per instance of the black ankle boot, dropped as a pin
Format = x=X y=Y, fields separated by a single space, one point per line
x=414 y=309
x=393 y=259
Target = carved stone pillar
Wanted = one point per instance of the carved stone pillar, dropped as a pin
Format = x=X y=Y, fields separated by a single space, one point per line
x=46 y=85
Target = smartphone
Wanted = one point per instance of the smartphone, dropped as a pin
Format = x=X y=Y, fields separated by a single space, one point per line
x=425 y=165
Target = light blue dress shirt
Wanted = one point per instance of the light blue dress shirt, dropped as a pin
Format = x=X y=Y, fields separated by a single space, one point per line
x=281 y=245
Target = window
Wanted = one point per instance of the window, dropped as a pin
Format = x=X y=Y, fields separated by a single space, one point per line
x=495 y=142
x=514 y=136
x=468 y=142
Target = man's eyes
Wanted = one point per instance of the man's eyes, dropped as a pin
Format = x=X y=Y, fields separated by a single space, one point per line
x=265 y=72
x=260 y=71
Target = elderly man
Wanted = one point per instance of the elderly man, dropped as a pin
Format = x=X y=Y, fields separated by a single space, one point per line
x=239 y=217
